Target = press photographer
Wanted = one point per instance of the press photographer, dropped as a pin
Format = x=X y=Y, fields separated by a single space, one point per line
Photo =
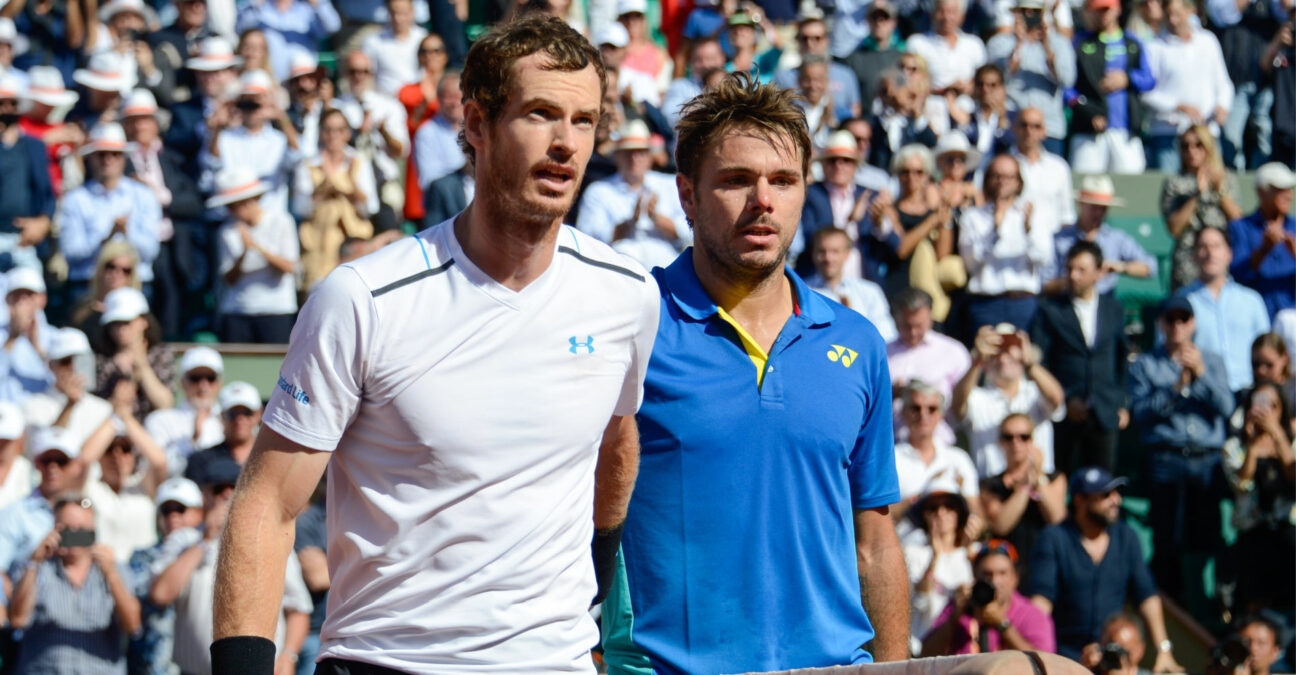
x=1119 y=650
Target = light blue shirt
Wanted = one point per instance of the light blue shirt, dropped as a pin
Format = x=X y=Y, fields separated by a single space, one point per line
x=1034 y=84
x=22 y=373
x=86 y=217
x=265 y=152
x=23 y=525
x=436 y=150
x=681 y=91
x=1228 y=325
x=1225 y=13
x=303 y=24
x=1115 y=245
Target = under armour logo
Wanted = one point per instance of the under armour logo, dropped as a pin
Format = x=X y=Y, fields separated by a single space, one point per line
x=576 y=345
x=840 y=354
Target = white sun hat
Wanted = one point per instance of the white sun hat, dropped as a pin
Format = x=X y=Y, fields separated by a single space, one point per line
x=106 y=137
x=106 y=72
x=45 y=85
x=214 y=53
x=1098 y=189
x=140 y=103
x=235 y=185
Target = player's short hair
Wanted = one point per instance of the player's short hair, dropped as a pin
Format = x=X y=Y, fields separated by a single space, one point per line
x=1081 y=248
x=489 y=74
x=739 y=102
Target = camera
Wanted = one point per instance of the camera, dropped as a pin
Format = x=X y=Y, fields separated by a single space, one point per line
x=1113 y=658
x=1230 y=653
x=1034 y=19
x=247 y=105
x=76 y=538
x=983 y=593
x=133 y=35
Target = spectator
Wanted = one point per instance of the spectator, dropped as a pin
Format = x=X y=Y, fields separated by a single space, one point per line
x=108 y=206
x=25 y=524
x=160 y=168
x=9 y=43
x=194 y=424
x=866 y=174
x=443 y=170
x=1004 y=620
x=255 y=48
x=420 y=101
x=67 y=404
x=1046 y=177
x=381 y=133
x=26 y=193
x=25 y=277
x=1279 y=63
x=843 y=86
x=1040 y=64
x=939 y=566
x=131 y=468
x=179 y=513
x=394 y=51
x=1015 y=383
x=704 y=57
x=1121 y=255
x=924 y=460
x=123 y=29
x=952 y=55
x=815 y=99
x=335 y=196
x=22 y=367
x=258 y=254
x=300 y=23
x=1084 y=569
x=643 y=55
x=1244 y=30
x=1024 y=499
x=830 y=249
x=956 y=161
x=1146 y=21
x=17 y=474
x=305 y=100
x=241 y=136
x=1006 y=245
x=1201 y=195
x=116 y=266
x=1264 y=640
x=1261 y=468
x=1264 y=243
x=878 y=53
x=176 y=44
x=838 y=201
x=1271 y=360
x=1112 y=73
x=106 y=78
x=1225 y=332
x=637 y=210
x=1181 y=402
x=1122 y=639
x=742 y=31
x=188 y=584
x=1192 y=84
x=901 y=116
x=44 y=104
x=74 y=603
x=633 y=85
x=989 y=124
x=920 y=353
x=55 y=32
x=240 y=407
x=922 y=219
x=214 y=74
x=131 y=364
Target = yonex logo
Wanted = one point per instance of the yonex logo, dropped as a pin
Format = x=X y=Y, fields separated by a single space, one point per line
x=842 y=355
x=576 y=345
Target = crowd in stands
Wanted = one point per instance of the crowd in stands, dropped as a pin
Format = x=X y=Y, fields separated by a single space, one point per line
x=175 y=169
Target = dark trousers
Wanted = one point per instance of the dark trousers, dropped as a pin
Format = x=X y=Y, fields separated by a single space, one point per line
x=1080 y=444
x=341 y=667
x=1184 y=496
x=989 y=310
x=257 y=328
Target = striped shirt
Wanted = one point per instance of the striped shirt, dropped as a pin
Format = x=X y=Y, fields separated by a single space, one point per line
x=74 y=630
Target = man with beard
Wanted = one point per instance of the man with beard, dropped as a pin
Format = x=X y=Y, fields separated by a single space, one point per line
x=1085 y=568
x=760 y=487
x=460 y=384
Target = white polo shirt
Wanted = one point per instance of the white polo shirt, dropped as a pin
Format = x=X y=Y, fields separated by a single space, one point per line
x=986 y=409
x=465 y=420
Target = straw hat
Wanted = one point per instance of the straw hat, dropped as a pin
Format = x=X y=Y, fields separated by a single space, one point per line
x=236 y=185
x=106 y=137
x=1098 y=189
x=45 y=85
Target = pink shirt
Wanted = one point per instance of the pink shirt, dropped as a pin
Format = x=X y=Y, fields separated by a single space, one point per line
x=1034 y=625
x=938 y=360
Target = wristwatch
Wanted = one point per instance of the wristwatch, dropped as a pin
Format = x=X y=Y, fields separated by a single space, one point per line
x=1005 y=624
x=1165 y=646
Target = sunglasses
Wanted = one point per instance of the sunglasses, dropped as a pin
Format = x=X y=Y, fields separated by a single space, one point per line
x=938 y=504
x=811 y=38
x=195 y=378
x=912 y=172
x=121 y=449
x=1007 y=436
x=235 y=413
x=931 y=409
x=60 y=461
x=170 y=508
x=64 y=362
x=431 y=50
x=1031 y=125
x=114 y=267
x=361 y=71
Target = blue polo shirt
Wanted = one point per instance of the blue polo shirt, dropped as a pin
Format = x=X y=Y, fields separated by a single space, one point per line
x=739 y=546
x=1085 y=594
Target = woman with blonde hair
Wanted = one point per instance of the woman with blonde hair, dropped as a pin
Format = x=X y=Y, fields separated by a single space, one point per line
x=255 y=50
x=115 y=267
x=1201 y=195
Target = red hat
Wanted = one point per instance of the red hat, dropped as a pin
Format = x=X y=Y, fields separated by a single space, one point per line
x=1103 y=4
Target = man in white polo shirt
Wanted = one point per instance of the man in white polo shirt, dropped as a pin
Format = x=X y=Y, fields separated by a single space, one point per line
x=461 y=384
x=195 y=423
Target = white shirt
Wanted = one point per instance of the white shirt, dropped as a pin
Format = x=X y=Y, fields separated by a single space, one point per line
x=173 y=429
x=611 y=201
x=986 y=409
x=126 y=521
x=266 y=152
x=394 y=61
x=465 y=420
x=1047 y=185
x=42 y=410
x=1191 y=72
x=863 y=296
x=384 y=111
x=19 y=482
x=262 y=289
x=1006 y=259
x=949 y=462
x=948 y=64
x=952 y=570
x=1087 y=313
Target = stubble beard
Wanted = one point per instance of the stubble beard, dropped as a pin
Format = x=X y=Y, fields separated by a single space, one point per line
x=736 y=270
x=513 y=212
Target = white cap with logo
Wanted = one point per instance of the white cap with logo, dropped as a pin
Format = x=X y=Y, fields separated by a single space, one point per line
x=240 y=394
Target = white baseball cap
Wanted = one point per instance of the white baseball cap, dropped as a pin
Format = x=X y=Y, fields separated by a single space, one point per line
x=24 y=278
x=181 y=490
x=302 y=63
x=12 y=423
x=239 y=394
x=123 y=304
x=613 y=34
x=67 y=342
x=202 y=357
x=625 y=7
x=46 y=439
x=1275 y=175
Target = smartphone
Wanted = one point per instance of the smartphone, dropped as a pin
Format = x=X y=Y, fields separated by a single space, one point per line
x=1008 y=337
x=75 y=538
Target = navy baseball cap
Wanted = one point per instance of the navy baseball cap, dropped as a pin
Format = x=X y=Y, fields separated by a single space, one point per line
x=1177 y=303
x=219 y=471
x=1095 y=480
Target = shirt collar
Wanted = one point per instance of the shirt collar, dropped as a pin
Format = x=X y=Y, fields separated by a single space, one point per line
x=682 y=286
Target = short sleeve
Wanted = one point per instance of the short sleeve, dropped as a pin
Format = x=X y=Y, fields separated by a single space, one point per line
x=645 y=336
x=1142 y=586
x=322 y=377
x=874 y=480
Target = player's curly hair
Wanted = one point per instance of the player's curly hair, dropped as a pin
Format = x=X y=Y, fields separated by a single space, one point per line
x=489 y=75
x=739 y=101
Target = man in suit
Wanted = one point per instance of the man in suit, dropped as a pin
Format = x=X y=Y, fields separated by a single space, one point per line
x=838 y=201
x=1081 y=338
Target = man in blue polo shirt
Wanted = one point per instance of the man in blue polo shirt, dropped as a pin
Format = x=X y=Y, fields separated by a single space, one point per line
x=758 y=536
x=1084 y=568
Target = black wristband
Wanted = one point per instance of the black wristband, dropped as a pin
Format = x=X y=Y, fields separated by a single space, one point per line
x=604 y=548
x=243 y=655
